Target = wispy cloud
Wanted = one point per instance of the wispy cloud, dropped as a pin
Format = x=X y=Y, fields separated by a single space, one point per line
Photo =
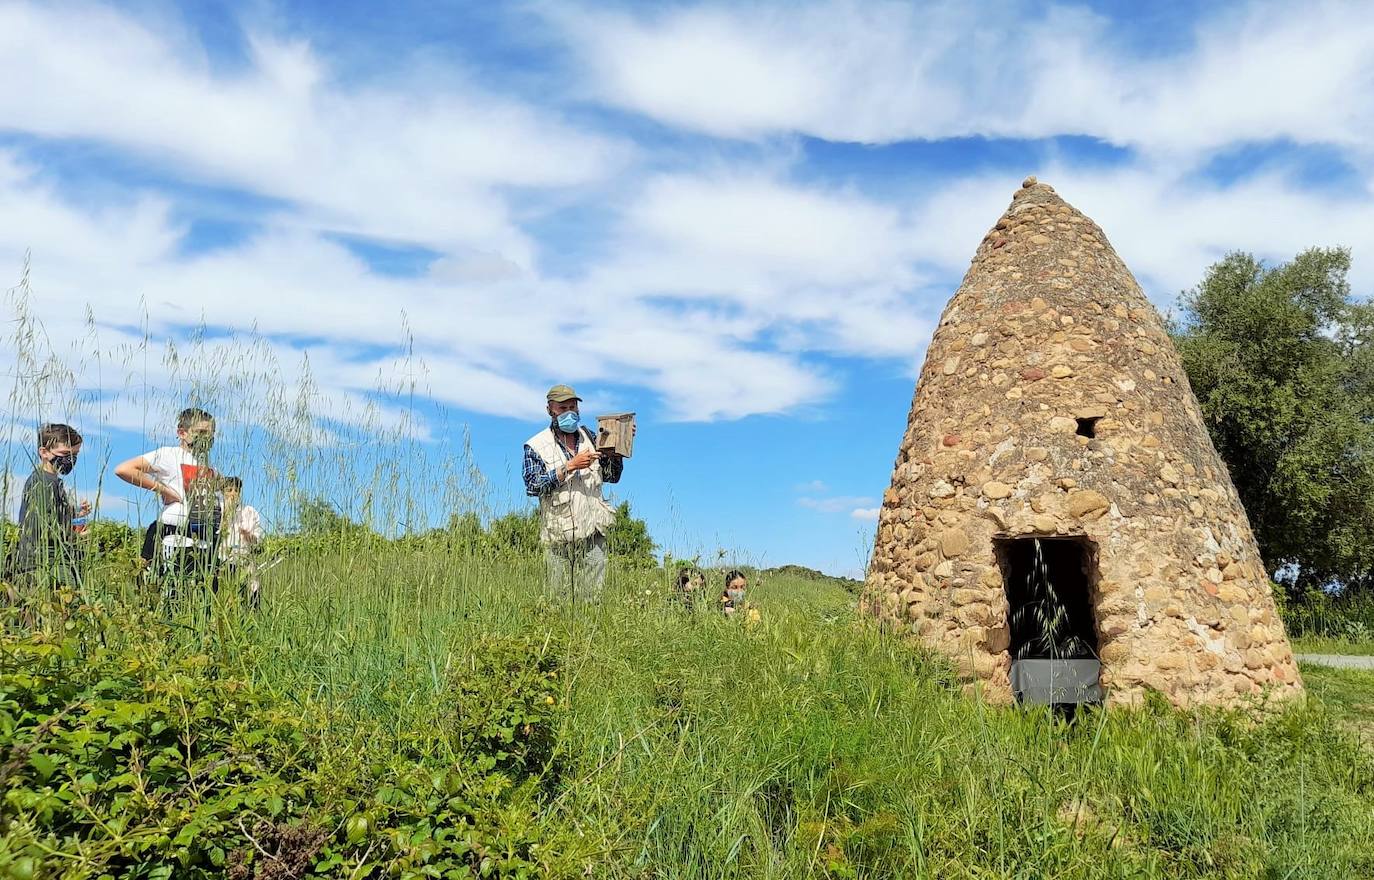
x=421 y=163
x=724 y=282
x=833 y=504
x=879 y=73
x=477 y=341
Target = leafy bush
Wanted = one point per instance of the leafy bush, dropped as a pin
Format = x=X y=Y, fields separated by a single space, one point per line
x=139 y=759
x=136 y=761
x=628 y=538
x=502 y=703
x=111 y=549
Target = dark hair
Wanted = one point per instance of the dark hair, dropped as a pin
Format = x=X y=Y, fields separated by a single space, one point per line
x=53 y=434
x=192 y=414
x=687 y=573
x=231 y=482
x=732 y=575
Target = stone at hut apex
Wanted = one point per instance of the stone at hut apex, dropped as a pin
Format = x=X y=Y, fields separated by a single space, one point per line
x=1050 y=344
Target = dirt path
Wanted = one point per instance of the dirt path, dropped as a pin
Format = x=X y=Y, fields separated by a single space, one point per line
x=1340 y=661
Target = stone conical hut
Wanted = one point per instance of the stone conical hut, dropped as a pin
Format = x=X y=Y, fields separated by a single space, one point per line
x=1053 y=439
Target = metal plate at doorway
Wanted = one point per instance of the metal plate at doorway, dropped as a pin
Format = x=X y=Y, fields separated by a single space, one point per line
x=1055 y=682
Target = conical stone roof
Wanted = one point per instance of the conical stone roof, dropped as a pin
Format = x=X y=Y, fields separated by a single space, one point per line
x=1047 y=340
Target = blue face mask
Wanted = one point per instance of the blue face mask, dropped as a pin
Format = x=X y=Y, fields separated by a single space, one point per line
x=568 y=422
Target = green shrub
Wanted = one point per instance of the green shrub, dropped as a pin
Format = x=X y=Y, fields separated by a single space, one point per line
x=136 y=761
x=503 y=701
x=124 y=755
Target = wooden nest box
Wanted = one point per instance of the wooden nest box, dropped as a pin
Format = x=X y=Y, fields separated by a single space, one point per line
x=615 y=433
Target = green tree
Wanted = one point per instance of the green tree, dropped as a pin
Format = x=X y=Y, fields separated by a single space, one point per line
x=1281 y=361
x=515 y=532
x=317 y=516
x=628 y=538
x=464 y=531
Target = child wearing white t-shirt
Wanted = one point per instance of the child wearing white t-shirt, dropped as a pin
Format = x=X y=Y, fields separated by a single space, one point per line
x=186 y=485
x=240 y=535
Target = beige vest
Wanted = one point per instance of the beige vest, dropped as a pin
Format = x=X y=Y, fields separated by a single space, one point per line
x=575 y=510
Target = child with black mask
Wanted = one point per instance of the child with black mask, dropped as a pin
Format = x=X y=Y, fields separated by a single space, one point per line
x=46 y=553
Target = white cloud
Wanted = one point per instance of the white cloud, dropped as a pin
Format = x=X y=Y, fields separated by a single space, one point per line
x=722 y=282
x=418 y=164
x=1167 y=227
x=833 y=504
x=889 y=72
x=393 y=166
x=819 y=269
x=760 y=228
x=473 y=342
x=865 y=514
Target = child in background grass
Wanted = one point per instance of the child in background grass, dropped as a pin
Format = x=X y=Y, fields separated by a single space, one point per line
x=186 y=528
x=240 y=536
x=690 y=586
x=46 y=553
x=732 y=599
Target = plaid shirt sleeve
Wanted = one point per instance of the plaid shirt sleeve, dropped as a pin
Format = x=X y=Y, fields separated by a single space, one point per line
x=539 y=480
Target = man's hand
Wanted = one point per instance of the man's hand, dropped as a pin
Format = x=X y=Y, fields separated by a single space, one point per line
x=582 y=460
x=84 y=509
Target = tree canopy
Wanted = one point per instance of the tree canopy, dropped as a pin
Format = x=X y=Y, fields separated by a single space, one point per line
x=1281 y=361
x=628 y=537
x=515 y=532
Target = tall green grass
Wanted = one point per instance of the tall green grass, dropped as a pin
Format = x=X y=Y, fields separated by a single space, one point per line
x=806 y=744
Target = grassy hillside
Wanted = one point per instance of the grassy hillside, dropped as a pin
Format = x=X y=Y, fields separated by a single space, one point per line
x=412 y=713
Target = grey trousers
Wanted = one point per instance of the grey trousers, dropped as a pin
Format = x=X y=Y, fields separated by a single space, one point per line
x=577 y=569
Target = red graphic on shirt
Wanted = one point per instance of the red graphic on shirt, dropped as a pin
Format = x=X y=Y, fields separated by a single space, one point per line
x=190 y=473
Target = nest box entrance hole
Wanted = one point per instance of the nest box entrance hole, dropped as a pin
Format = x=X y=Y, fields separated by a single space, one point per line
x=1050 y=584
x=1087 y=426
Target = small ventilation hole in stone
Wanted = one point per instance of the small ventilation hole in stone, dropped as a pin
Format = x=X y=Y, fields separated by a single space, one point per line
x=1087 y=427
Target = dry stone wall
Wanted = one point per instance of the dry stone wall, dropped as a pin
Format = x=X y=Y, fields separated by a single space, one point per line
x=1049 y=328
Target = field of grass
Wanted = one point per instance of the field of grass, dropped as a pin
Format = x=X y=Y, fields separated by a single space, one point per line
x=1329 y=645
x=412 y=713
x=1348 y=693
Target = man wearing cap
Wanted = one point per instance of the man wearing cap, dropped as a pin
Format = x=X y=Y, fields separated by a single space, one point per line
x=565 y=472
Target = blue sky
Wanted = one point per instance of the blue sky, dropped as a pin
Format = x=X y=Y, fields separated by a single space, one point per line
x=738 y=219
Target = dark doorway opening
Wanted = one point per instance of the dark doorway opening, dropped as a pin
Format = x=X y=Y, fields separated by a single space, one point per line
x=1087 y=427
x=1049 y=584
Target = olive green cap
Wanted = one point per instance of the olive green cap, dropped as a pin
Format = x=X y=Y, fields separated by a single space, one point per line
x=560 y=393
